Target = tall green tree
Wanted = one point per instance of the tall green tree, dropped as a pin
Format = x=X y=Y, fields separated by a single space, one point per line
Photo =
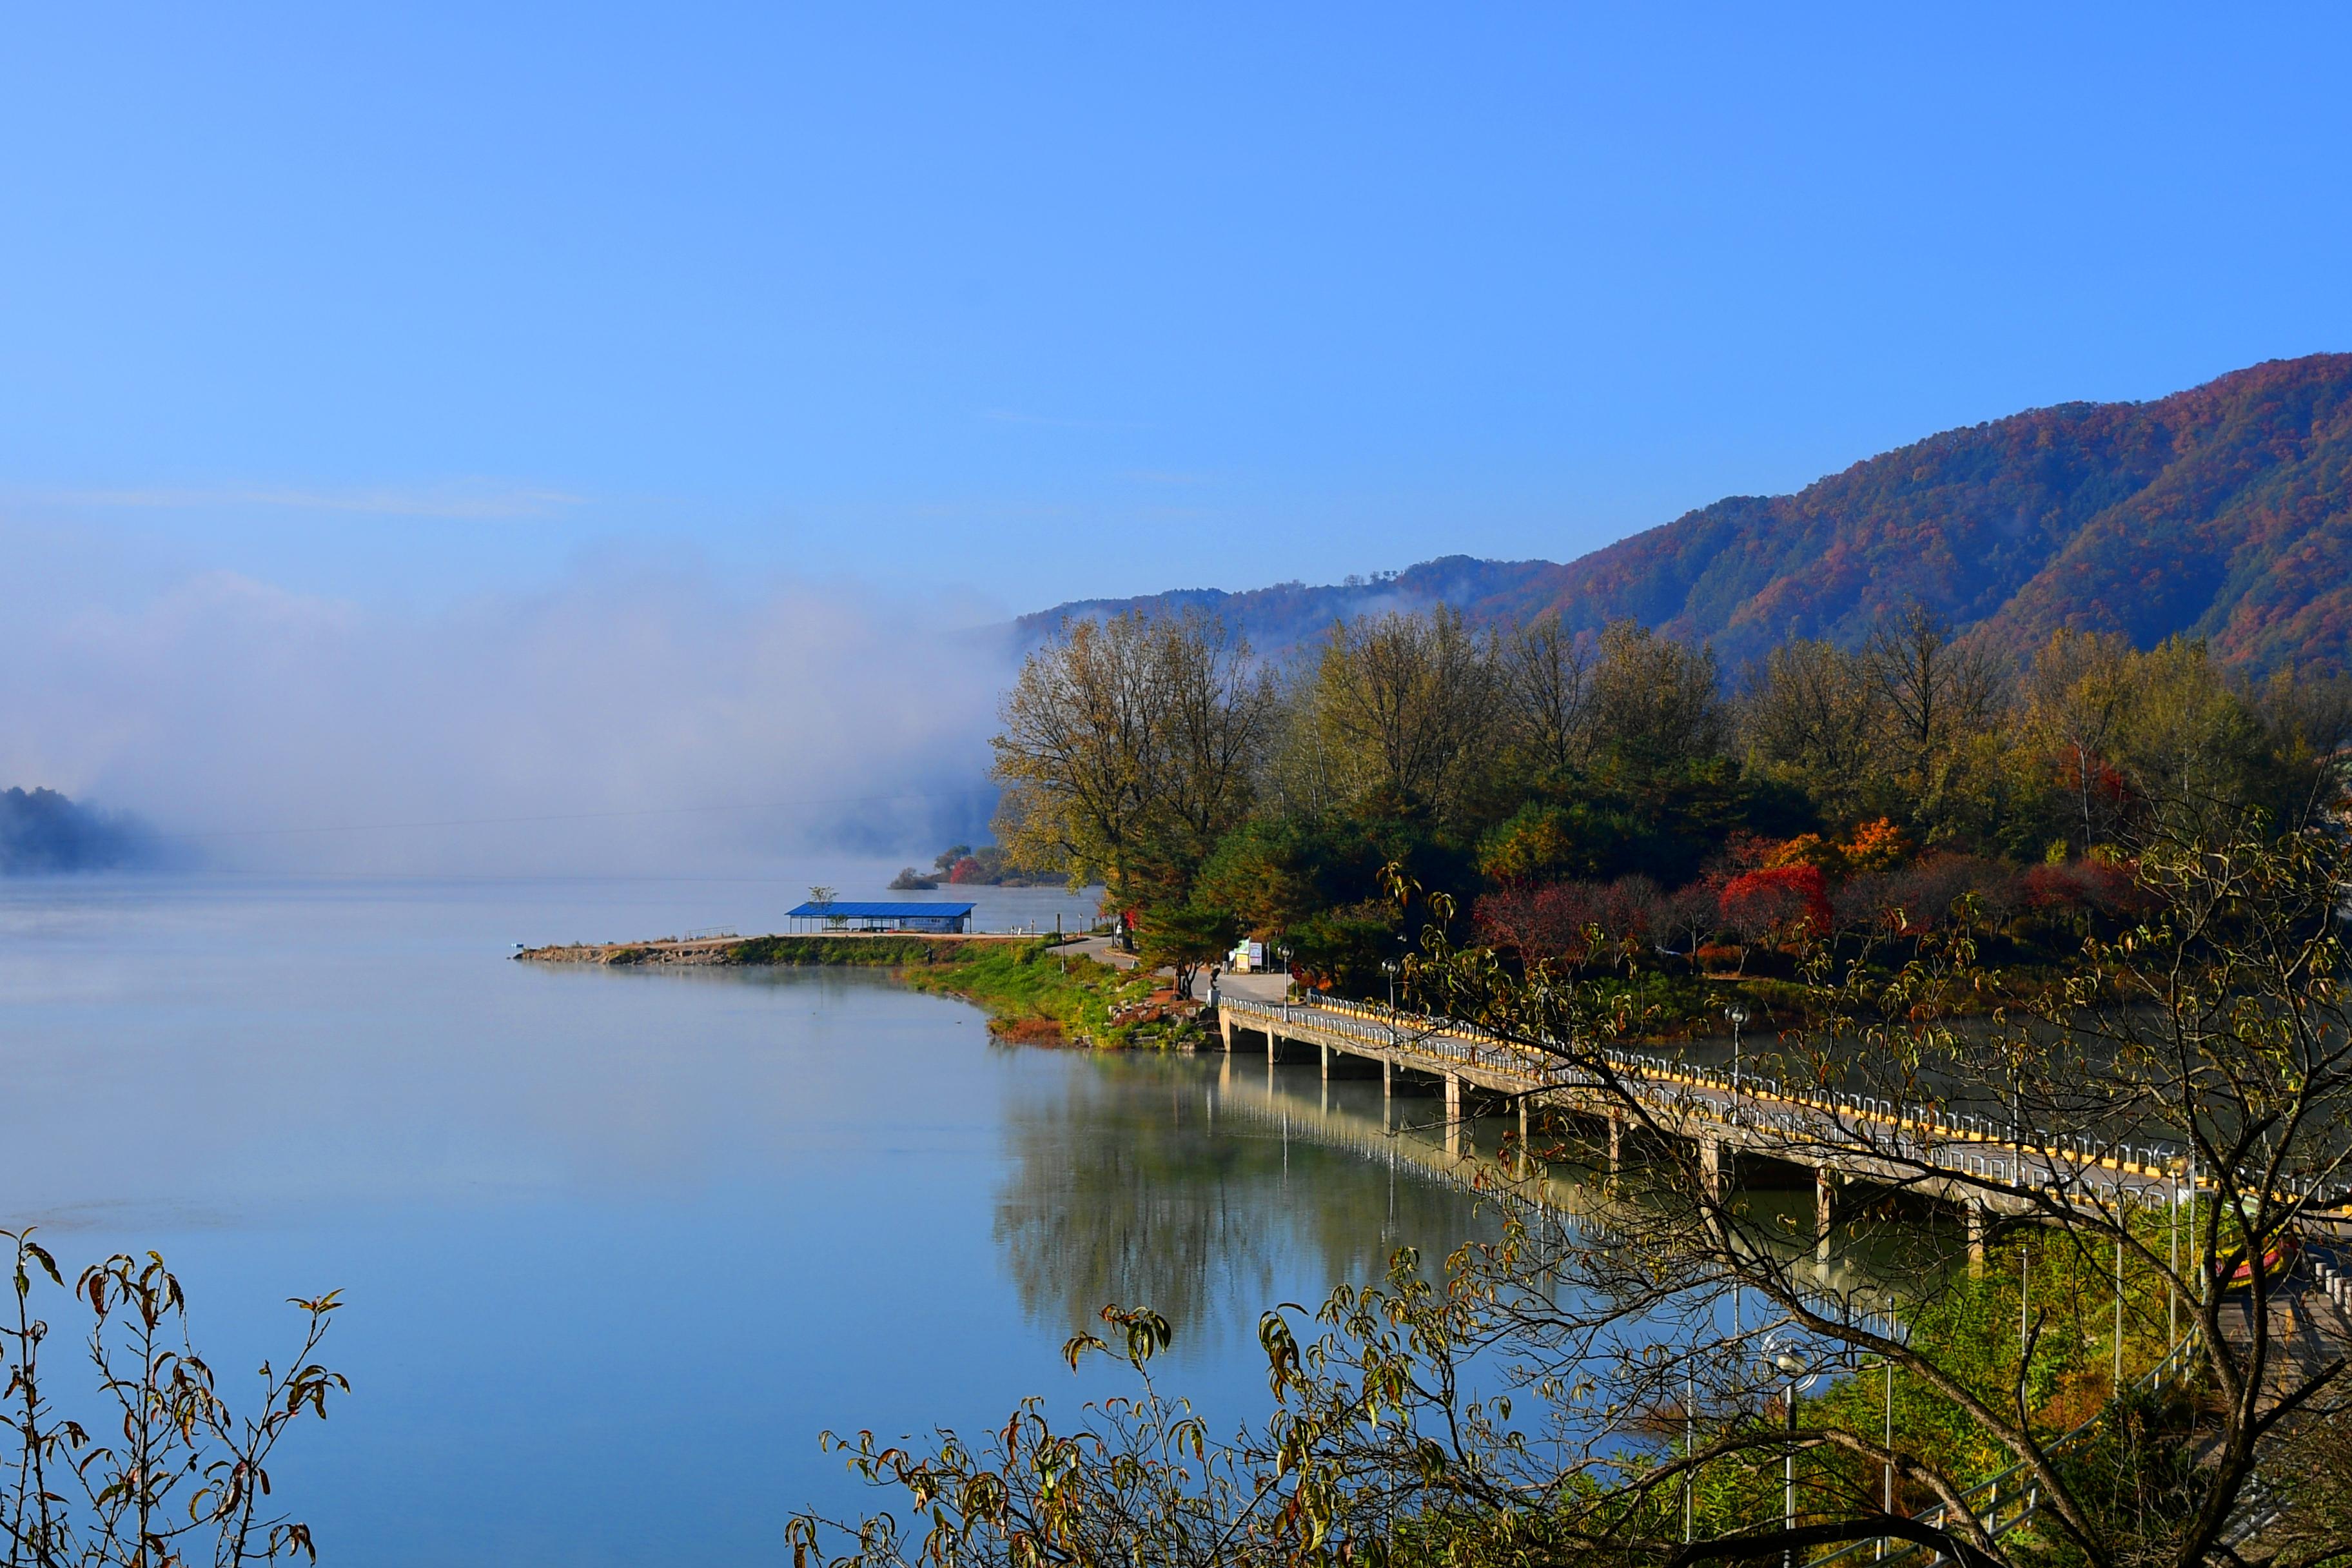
x=1657 y=704
x=1814 y=715
x=1128 y=746
x=1412 y=705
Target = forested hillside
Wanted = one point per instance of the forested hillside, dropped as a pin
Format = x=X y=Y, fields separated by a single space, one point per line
x=2222 y=512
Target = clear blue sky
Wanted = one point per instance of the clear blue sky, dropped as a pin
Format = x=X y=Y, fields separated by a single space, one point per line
x=1050 y=302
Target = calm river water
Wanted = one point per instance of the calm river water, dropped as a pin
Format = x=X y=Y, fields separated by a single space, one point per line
x=616 y=1245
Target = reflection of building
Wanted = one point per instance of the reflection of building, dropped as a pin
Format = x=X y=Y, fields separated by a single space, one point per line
x=835 y=915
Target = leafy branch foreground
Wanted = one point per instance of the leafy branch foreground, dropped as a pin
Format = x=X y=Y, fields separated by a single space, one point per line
x=1638 y=1382
x=1377 y=1452
x=179 y=1478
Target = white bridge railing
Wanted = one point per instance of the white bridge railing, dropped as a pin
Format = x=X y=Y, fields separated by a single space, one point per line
x=1927 y=1133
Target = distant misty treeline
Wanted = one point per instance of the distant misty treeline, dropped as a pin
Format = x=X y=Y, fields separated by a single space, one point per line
x=41 y=830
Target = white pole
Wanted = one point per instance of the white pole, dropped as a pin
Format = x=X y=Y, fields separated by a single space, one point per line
x=2119 y=1314
x=2172 y=1285
x=1889 y=1502
x=1735 y=1069
x=1789 y=1482
x=1690 y=1442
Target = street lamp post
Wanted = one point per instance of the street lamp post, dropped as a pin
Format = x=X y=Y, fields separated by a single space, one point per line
x=1793 y=1367
x=1738 y=1012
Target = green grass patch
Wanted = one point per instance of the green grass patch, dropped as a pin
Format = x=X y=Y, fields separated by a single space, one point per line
x=1034 y=992
x=1029 y=989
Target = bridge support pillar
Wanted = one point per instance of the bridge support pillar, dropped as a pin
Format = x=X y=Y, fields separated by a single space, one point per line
x=1825 y=1213
x=1388 y=1078
x=1710 y=1164
x=1453 y=1113
x=1973 y=1215
x=1327 y=1062
x=1225 y=1030
x=1616 y=1142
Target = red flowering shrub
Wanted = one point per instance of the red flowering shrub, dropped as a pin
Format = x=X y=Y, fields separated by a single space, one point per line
x=968 y=870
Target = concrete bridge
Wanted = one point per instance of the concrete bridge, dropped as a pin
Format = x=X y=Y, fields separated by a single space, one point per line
x=1844 y=1139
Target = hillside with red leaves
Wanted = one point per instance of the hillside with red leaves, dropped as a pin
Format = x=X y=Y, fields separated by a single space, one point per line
x=2224 y=511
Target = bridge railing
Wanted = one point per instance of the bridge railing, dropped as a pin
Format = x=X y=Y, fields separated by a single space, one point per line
x=1930 y=1132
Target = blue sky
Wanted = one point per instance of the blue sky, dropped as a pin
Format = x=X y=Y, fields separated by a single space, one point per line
x=1018 y=304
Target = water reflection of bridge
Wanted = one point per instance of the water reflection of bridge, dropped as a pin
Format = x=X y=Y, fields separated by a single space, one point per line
x=1385 y=1128
x=1446 y=1154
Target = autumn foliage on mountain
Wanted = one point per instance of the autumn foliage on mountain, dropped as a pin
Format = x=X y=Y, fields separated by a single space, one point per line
x=2223 y=512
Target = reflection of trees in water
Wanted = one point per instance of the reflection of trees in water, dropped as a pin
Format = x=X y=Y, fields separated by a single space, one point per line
x=1124 y=1188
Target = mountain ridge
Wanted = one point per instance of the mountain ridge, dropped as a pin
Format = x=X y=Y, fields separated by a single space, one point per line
x=2222 y=512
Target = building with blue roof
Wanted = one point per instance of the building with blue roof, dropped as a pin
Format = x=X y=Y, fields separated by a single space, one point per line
x=842 y=915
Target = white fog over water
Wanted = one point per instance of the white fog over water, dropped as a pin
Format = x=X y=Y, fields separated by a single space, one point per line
x=630 y=716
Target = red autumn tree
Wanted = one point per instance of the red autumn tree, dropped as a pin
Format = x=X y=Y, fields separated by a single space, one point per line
x=1781 y=902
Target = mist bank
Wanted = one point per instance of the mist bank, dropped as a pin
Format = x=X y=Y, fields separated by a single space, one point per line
x=630 y=719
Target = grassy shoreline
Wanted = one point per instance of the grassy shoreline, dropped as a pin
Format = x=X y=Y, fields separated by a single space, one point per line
x=1031 y=990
